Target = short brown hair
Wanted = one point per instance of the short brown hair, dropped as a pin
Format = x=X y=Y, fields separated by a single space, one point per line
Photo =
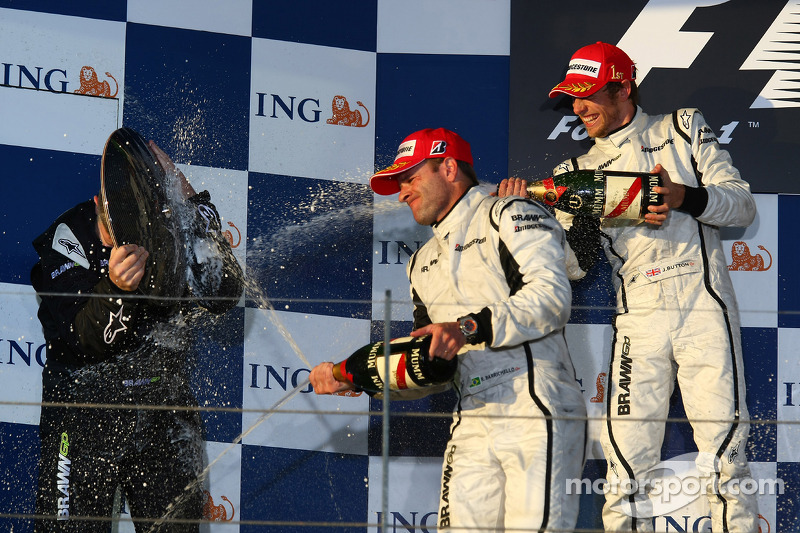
x=613 y=87
x=463 y=166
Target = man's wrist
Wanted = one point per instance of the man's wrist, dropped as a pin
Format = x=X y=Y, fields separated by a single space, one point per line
x=695 y=200
x=484 y=333
x=469 y=328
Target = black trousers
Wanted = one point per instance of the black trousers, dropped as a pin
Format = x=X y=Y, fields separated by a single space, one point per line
x=154 y=456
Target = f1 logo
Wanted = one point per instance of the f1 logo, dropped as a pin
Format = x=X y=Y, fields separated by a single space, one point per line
x=669 y=17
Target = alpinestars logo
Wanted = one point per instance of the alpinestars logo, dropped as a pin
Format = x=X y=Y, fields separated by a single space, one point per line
x=734 y=453
x=669 y=47
x=67 y=244
x=114 y=326
x=686 y=119
x=71 y=247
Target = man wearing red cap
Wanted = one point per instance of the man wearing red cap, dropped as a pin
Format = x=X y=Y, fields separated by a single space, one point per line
x=491 y=289
x=676 y=310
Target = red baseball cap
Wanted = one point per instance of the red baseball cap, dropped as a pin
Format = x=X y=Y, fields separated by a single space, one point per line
x=416 y=148
x=591 y=67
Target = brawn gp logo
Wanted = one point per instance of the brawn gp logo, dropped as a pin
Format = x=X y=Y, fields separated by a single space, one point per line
x=62 y=477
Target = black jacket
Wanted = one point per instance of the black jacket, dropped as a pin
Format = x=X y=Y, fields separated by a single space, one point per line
x=86 y=319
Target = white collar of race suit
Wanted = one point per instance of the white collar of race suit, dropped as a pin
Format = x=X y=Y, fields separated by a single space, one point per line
x=460 y=213
x=619 y=137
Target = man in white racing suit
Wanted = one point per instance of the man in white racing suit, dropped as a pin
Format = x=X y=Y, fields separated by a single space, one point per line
x=491 y=289
x=676 y=307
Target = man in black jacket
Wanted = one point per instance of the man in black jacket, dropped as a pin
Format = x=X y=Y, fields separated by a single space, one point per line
x=116 y=356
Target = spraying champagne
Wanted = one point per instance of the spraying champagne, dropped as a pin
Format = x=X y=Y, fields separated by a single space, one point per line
x=599 y=193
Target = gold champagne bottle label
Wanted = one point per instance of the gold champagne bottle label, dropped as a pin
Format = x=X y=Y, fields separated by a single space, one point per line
x=546 y=191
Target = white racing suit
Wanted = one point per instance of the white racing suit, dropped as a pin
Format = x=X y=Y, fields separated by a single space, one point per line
x=676 y=309
x=518 y=432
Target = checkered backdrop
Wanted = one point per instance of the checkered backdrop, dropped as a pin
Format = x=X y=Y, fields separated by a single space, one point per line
x=249 y=99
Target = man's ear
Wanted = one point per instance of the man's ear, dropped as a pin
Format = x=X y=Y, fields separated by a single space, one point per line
x=451 y=168
x=625 y=93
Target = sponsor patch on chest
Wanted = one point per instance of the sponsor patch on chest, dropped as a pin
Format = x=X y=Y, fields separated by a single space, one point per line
x=668 y=269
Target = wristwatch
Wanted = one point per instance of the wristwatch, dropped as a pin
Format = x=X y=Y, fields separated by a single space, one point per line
x=469 y=327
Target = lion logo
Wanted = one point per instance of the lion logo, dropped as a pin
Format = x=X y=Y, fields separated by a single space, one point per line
x=344 y=116
x=216 y=513
x=229 y=235
x=744 y=260
x=601 y=388
x=92 y=86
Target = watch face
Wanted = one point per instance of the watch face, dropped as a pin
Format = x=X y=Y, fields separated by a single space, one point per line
x=468 y=325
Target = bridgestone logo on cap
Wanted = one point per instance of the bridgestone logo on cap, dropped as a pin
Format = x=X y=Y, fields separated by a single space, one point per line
x=585 y=67
x=405 y=149
x=439 y=147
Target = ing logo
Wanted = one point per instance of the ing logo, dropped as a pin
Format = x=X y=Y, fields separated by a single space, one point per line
x=308 y=109
x=601 y=388
x=229 y=235
x=216 y=513
x=92 y=86
x=763 y=525
x=344 y=116
x=743 y=259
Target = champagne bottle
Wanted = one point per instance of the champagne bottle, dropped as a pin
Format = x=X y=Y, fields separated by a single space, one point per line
x=410 y=366
x=599 y=193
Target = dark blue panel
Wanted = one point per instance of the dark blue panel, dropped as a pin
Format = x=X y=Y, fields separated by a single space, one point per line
x=466 y=94
x=759 y=347
x=189 y=91
x=217 y=378
x=37 y=186
x=117 y=10
x=417 y=428
x=302 y=486
x=344 y=25
x=310 y=248
x=788 y=259
x=787 y=507
x=678 y=437
x=398 y=328
x=18 y=470
x=590 y=511
x=411 y=432
x=593 y=297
